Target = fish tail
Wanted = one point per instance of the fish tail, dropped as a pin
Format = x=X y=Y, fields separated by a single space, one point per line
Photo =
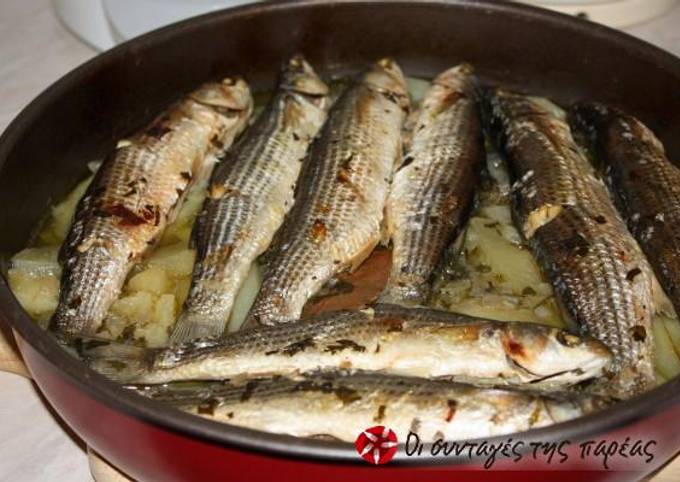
x=191 y=326
x=118 y=361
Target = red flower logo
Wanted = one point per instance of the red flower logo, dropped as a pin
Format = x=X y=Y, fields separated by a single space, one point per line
x=377 y=445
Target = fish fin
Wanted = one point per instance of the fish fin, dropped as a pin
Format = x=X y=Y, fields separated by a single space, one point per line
x=118 y=361
x=191 y=327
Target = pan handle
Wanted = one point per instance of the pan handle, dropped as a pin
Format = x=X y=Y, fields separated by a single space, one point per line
x=10 y=359
x=102 y=470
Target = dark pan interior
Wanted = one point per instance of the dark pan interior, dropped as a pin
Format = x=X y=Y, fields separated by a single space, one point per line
x=78 y=119
x=81 y=117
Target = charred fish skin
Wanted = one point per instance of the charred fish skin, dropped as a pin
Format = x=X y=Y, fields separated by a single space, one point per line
x=600 y=277
x=645 y=184
x=432 y=192
x=340 y=405
x=249 y=194
x=136 y=193
x=385 y=338
x=336 y=219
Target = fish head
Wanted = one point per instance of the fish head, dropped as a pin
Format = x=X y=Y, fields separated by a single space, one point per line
x=552 y=354
x=598 y=126
x=231 y=94
x=506 y=103
x=508 y=115
x=459 y=78
x=299 y=76
x=448 y=88
x=589 y=116
x=386 y=77
x=496 y=104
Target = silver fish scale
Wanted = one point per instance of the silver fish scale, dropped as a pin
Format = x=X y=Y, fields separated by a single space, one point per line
x=645 y=184
x=592 y=293
x=392 y=386
x=135 y=194
x=335 y=221
x=383 y=338
x=249 y=194
x=340 y=405
x=433 y=191
x=600 y=276
x=349 y=324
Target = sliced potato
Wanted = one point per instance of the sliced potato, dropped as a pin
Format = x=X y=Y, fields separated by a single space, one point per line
x=667 y=361
x=151 y=296
x=176 y=259
x=59 y=222
x=113 y=326
x=244 y=298
x=488 y=251
x=503 y=281
x=673 y=329
x=180 y=230
x=417 y=88
x=37 y=261
x=534 y=309
x=497 y=212
x=660 y=378
x=453 y=292
x=37 y=294
x=182 y=290
x=157 y=331
x=136 y=307
x=164 y=311
x=152 y=280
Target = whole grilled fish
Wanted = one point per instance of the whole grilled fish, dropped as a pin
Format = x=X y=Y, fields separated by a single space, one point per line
x=336 y=220
x=432 y=191
x=599 y=274
x=645 y=184
x=387 y=338
x=341 y=406
x=249 y=194
x=136 y=193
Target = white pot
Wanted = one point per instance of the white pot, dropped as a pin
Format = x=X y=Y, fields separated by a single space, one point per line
x=104 y=23
x=615 y=13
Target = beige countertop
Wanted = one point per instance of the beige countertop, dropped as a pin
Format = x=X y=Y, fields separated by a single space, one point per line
x=36 y=50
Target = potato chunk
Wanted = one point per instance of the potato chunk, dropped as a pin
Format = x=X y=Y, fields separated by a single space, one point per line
x=176 y=259
x=667 y=361
x=244 y=298
x=489 y=251
x=38 y=294
x=61 y=215
x=180 y=230
x=152 y=280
